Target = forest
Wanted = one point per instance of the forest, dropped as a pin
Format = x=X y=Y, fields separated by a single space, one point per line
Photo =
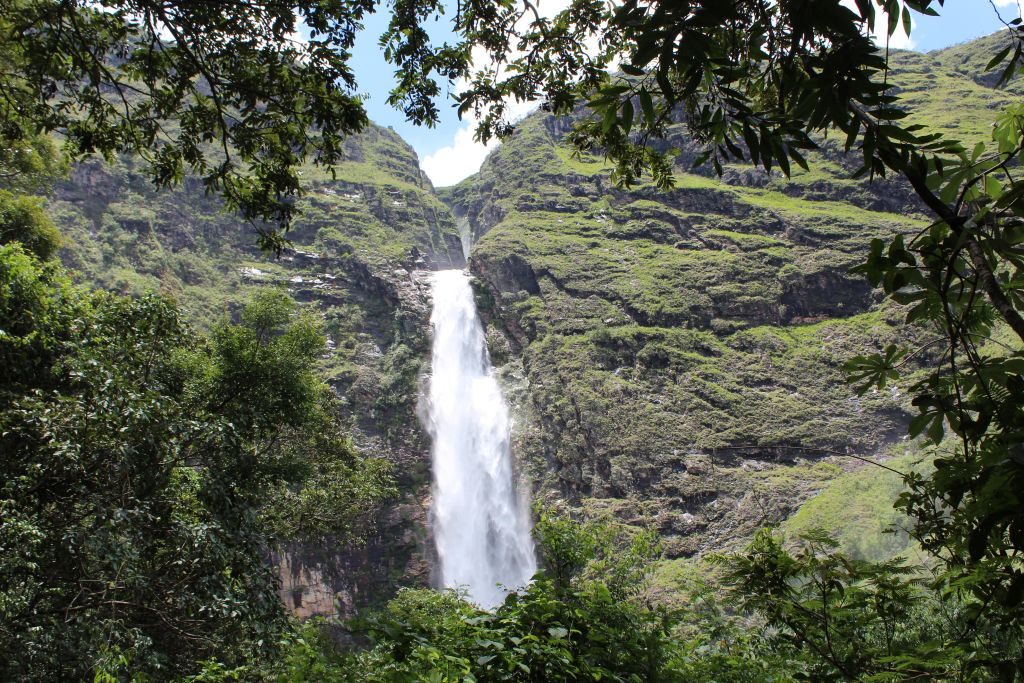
x=714 y=371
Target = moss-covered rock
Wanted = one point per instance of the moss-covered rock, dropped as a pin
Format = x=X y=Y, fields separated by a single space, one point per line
x=681 y=349
x=673 y=358
x=360 y=249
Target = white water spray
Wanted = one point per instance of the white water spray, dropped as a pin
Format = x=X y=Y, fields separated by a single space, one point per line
x=481 y=527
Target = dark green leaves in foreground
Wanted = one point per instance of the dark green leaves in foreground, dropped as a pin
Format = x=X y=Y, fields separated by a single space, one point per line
x=577 y=620
x=238 y=94
x=844 y=619
x=148 y=470
x=800 y=611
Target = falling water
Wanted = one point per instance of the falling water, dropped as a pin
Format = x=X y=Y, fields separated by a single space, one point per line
x=481 y=528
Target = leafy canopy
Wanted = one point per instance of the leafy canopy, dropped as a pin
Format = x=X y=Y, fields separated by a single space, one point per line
x=240 y=94
x=148 y=471
x=775 y=614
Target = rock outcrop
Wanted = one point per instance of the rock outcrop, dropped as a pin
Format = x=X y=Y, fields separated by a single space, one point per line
x=361 y=249
x=677 y=354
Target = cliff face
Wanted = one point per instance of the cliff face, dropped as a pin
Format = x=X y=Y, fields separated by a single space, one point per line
x=361 y=248
x=676 y=355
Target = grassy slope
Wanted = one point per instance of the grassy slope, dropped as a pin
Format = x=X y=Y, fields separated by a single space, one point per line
x=658 y=333
x=124 y=235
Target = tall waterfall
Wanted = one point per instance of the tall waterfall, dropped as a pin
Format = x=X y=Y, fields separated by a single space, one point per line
x=481 y=527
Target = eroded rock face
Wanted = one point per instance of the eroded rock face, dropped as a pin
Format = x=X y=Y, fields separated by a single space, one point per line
x=672 y=358
x=675 y=356
x=323 y=580
x=822 y=295
x=362 y=249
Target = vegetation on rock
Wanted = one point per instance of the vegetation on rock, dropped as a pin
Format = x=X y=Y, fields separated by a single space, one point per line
x=355 y=249
x=757 y=81
x=810 y=613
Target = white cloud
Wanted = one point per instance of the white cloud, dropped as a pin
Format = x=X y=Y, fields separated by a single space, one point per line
x=462 y=158
x=898 y=40
x=456 y=161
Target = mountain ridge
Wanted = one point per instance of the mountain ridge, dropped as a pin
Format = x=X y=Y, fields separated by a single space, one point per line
x=679 y=353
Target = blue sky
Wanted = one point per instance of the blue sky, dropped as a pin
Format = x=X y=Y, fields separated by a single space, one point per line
x=376 y=78
x=447 y=152
x=960 y=21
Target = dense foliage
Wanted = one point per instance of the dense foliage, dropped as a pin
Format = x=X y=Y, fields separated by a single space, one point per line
x=844 y=619
x=777 y=614
x=568 y=623
x=240 y=94
x=147 y=472
x=169 y=80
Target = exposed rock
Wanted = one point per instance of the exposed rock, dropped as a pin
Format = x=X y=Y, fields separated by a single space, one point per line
x=681 y=350
x=361 y=246
x=672 y=358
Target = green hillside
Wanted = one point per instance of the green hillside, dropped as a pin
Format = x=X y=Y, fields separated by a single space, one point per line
x=631 y=403
x=355 y=249
x=676 y=355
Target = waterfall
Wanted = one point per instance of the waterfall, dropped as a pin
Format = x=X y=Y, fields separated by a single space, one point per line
x=481 y=527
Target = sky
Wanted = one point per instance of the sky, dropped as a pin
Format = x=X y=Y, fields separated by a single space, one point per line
x=448 y=152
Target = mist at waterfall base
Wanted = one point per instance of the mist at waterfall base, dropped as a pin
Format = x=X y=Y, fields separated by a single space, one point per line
x=481 y=526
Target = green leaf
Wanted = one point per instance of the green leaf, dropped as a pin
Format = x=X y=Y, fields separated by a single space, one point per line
x=918 y=312
x=950 y=191
x=647 y=105
x=799 y=158
x=993 y=188
x=918 y=424
x=608 y=120
x=627 y=116
x=978 y=150
x=998 y=57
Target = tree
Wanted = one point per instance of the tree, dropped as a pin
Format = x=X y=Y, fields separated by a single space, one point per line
x=841 y=619
x=29 y=166
x=147 y=471
x=580 y=618
x=227 y=92
x=24 y=220
x=240 y=94
x=784 y=615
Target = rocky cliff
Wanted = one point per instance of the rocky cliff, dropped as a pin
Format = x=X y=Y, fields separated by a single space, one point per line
x=675 y=356
x=361 y=248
